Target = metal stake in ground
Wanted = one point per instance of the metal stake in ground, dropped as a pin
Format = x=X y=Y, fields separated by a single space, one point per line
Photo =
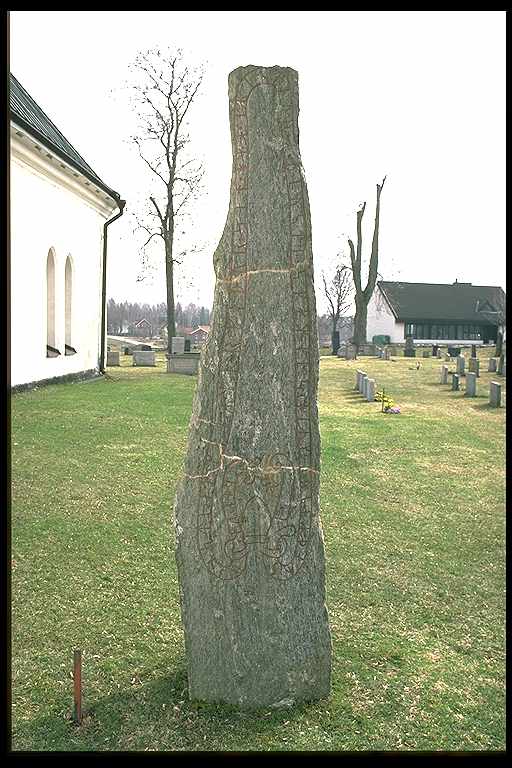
x=77 y=686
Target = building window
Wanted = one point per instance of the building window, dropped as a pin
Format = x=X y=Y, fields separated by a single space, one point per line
x=51 y=350
x=68 y=298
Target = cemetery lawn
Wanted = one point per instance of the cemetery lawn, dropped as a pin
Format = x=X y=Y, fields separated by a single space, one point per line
x=413 y=514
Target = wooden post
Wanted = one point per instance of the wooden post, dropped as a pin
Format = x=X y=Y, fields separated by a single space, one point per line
x=77 y=686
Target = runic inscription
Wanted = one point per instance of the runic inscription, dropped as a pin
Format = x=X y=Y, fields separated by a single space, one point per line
x=249 y=543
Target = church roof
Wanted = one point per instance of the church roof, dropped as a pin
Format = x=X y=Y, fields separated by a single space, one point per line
x=461 y=302
x=29 y=115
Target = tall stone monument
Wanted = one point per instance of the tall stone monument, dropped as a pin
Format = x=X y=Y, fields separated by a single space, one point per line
x=249 y=544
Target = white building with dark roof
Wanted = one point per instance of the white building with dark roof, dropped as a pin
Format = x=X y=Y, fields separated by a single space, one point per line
x=436 y=313
x=60 y=210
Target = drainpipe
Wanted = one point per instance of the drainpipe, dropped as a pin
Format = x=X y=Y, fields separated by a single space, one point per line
x=120 y=204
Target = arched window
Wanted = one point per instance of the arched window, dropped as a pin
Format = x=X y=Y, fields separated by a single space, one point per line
x=51 y=350
x=68 y=298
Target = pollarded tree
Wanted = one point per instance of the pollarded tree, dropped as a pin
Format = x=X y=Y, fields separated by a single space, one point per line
x=363 y=295
x=163 y=88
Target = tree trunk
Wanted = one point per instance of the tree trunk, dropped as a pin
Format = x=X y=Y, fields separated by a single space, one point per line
x=169 y=279
x=360 y=322
x=499 y=344
x=335 y=342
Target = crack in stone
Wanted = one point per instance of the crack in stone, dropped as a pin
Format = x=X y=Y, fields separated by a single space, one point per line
x=267 y=470
x=284 y=271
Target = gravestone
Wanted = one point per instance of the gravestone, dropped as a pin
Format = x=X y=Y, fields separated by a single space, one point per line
x=501 y=365
x=347 y=351
x=473 y=350
x=444 y=374
x=492 y=365
x=362 y=377
x=365 y=386
x=470 y=384
x=359 y=373
x=495 y=394
x=455 y=382
x=249 y=543
x=112 y=358
x=351 y=351
x=474 y=366
x=177 y=345
x=409 y=350
x=426 y=353
x=370 y=390
x=143 y=357
x=461 y=363
x=187 y=363
x=387 y=354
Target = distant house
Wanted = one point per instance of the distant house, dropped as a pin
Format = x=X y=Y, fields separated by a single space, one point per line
x=59 y=212
x=431 y=312
x=142 y=328
x=200 y=335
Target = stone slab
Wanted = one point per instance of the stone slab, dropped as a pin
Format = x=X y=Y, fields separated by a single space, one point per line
x=186 y=363
x=248 y=537
x=470 y=384
x=113 y=359
x=177 y=345
x=495 y=394
x=143 y=358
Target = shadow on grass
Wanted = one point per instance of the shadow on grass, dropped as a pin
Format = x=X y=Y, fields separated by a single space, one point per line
x=485 y=406
x=159 y=711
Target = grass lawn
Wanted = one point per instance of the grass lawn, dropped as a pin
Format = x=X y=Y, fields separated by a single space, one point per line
x=413 y=513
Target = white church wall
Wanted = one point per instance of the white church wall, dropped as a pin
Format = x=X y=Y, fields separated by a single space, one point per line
x=381 y=320
x=46 y=214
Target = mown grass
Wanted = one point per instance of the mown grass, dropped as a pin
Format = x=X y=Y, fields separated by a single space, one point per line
x=413 y=514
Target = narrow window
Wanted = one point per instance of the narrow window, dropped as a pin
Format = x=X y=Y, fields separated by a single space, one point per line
x=51 y=350
x=68 y=294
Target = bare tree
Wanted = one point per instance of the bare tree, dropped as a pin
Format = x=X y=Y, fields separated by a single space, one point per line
x=363 y=295
x=163 y=88
x=337 y=291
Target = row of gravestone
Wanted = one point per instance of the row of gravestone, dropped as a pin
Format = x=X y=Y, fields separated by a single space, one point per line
x=348 y=352
x=471 y=377
x=179 y=361
x=145 y=357
x=365 y=386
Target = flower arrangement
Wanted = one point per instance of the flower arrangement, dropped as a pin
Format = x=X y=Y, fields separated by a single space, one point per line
x=388 y=406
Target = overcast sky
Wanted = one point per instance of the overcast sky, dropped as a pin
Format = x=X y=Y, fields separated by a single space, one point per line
x=416 y=95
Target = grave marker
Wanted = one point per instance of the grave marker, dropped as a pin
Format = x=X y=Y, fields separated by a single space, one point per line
x=470 y=384
x=495 y=394
x=113 y=358
x=177 y=345
x=249 y=543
